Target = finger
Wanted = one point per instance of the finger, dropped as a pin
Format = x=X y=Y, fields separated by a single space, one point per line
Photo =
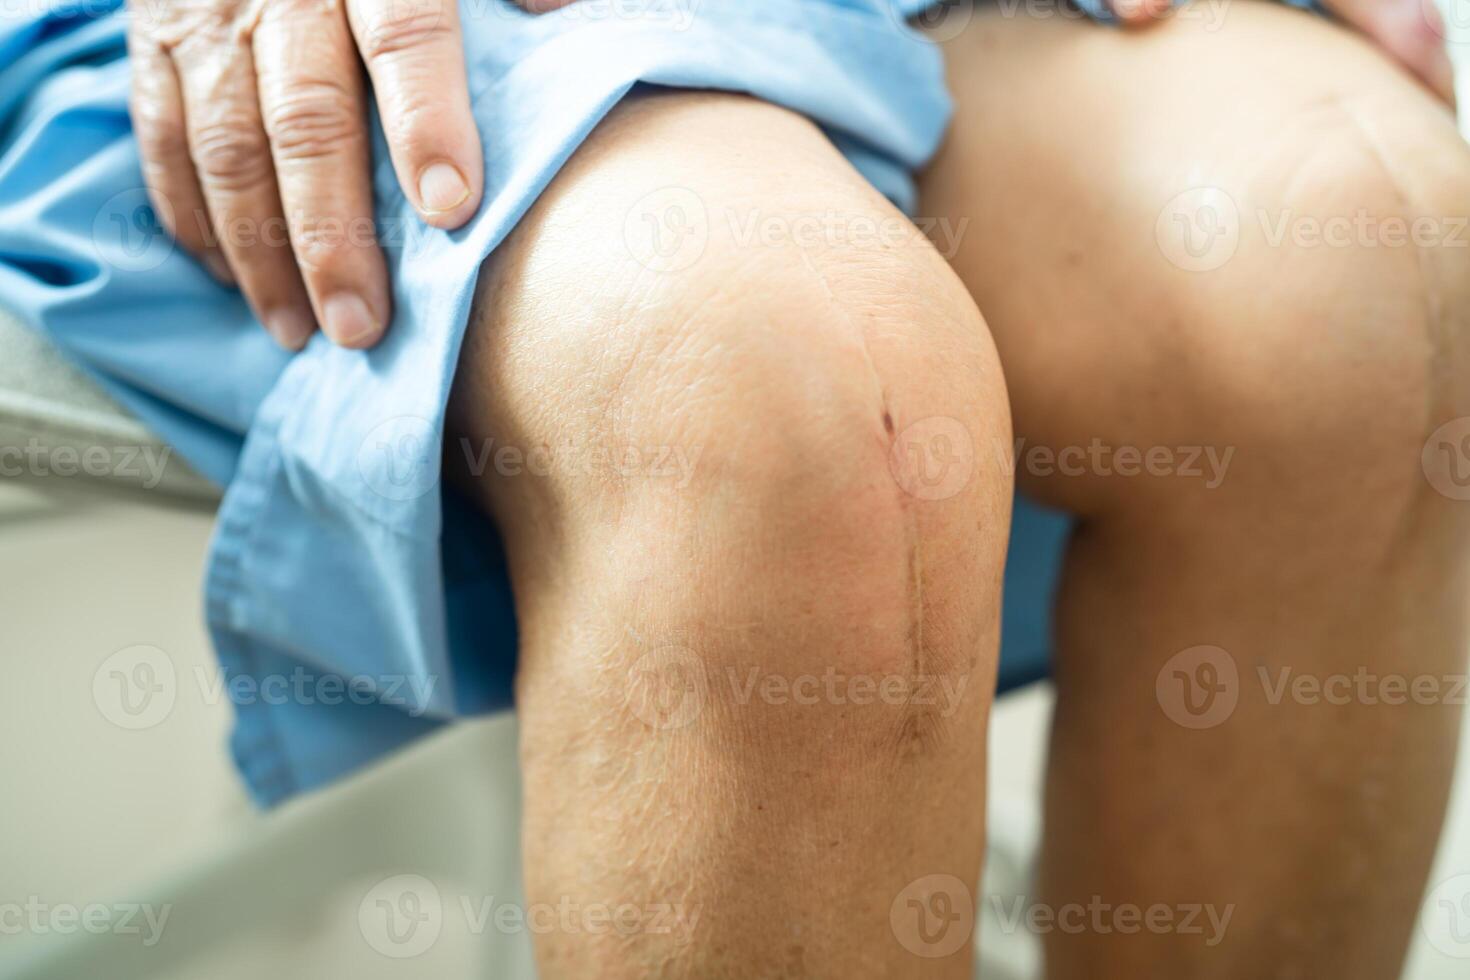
x=157 y=109
x=415 y=55
x=1411 y=31
x=312 y=98
x=1137 y=13
x=232 y=158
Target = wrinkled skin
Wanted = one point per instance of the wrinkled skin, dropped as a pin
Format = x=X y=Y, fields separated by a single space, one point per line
x=250 y=116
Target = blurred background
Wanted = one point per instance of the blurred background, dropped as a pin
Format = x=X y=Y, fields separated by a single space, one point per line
x=127 y=846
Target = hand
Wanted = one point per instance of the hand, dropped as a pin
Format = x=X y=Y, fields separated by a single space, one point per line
x=1412 y=32
x=251 y=125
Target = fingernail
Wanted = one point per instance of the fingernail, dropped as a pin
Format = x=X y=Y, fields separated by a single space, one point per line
x=290 y=327
x=349 y=321
x=441 y=188
x=219 y=268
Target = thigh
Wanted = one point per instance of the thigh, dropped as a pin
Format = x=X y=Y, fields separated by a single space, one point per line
x=1244 y=227
x=709 y=259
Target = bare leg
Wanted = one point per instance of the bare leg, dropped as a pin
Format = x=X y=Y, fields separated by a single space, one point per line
x=1082 y=157
x=758 y=652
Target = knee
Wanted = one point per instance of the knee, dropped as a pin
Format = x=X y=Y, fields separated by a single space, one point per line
x=784 y=402
x=807 y=524
x=1339 y=332
x=778 y=438
x=774 y=432
x=826 y=572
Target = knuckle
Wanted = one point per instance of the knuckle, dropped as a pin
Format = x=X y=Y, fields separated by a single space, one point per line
x=162 y=23
x=416 y=122
x=403 y=27
x=326 y=245
x=196 y=33
x=313 y=119
x=160 y=132
x=300 y=9
x=230 y=153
